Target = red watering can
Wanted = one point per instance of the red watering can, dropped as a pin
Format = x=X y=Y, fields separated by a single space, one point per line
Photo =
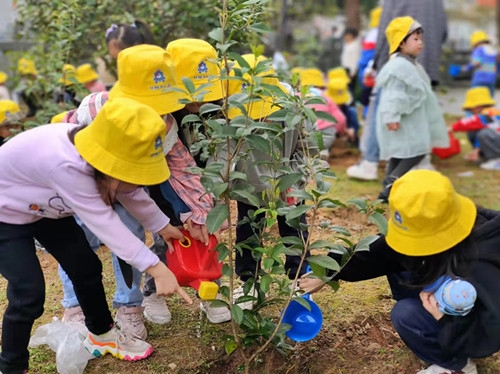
x=196 y=265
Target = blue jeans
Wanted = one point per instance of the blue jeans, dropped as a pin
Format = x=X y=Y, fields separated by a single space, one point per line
x=124 y=296
x=419 y=330
x=372 y=151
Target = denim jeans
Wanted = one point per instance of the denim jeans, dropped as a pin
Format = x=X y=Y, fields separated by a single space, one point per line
x=124 y=296
x=369 y=141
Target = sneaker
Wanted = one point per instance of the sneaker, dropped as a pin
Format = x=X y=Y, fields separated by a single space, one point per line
x=129 y=319
x=324 y=155
x=121 y=344
x=156 y=309
x=493 y=164
x=215 y=314
x=470 y=368
x=244 y=304
x=365 y=170
x=424 y=164
x=74 y=314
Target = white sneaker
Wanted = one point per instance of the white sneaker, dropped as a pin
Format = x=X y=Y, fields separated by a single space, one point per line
x=324 y=155
x=365 y=170
x=156 y=309
x=120 y=344
x=249 y=299
x=470 y=368
x=424 y=164
x=215 y=314
x=129 y=319
x=74 y=314
x=493 y=164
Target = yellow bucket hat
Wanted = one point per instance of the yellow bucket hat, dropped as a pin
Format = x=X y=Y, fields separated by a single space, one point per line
x=398 y=29
x=69 y=75
x=427 y=216
x=337 y=91
x=375 y=15
x=262 y=106
x=477 y=96
x=125 y=141
x=9 y=112
x=3 y=77
x=85 y=73
x=196 y=60
x=477 y=37
x=26 y=67
x=58 y=117
x=338 y=73
x=145 y=73
x=311 y=77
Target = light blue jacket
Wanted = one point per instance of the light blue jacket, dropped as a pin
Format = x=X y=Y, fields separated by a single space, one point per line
x=407 y=97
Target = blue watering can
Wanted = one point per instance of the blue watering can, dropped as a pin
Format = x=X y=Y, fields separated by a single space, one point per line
x=305 y=324
x=454 y=70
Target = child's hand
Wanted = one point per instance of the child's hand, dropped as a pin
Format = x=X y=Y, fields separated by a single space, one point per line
x=430 y=304
x=197 y=231
x=310 y=285
x=166 y=283
x=170 y=232
x=393 y=126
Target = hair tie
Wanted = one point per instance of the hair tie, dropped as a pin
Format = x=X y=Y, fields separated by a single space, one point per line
x=112 y=28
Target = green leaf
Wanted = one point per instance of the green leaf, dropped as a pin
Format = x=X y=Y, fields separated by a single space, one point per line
x=218 y=189
x=189 y=85
x=217 y=34
x=287 y=181
x=364 y=244
x=321 y=244
x=251 y=199
x=190 y=118
x=297 y=211
x=267 y=263
x=237 y=175
x=379 y=220
x=227 y=270
x=300 y=194
x=302 y=301
x=258 y=143
x=326 y=116
x=265 y=282
x=209 y=108
x=359 y=203
x=341 y=230
x=237 y=314
x=216 y=217
x=230 y=345
x=324 y=261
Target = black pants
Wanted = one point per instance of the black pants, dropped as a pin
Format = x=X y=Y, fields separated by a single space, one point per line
x=396 y=168
x=19 y=264
x=246 y=264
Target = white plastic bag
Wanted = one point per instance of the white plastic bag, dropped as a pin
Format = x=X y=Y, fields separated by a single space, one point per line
x=66 y=339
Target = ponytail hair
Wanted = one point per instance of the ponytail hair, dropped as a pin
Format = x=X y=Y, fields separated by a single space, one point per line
x=130 y=35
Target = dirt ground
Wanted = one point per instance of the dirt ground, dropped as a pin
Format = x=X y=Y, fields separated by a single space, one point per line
x=357 y=336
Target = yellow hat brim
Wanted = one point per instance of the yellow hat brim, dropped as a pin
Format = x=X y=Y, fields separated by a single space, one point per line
x=141 y=174
x=426 y=245
x=167 y=102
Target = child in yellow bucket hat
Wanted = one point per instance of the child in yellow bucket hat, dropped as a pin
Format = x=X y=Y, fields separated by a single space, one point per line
x=4 y=91
x=409 y=121
x=195 y=61
x=255 y=165
x=146 y=73
x=83 y=171
x=482 y=124
x=338 y=91
x=483 y=61
x=10 y=119
x=433 y=231
x=69 y=80
x=313 y=79
x=25 y=91
x=87 y=76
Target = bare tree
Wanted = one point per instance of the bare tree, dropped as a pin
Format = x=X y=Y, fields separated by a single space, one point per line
x=352 y=11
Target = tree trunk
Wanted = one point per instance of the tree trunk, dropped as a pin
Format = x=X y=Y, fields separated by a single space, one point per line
x=352 y=14
x=283 y=27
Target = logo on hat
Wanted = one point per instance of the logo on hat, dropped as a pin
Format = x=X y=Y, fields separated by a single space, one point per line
x=158 y=142
x=244 y=86
x=159 y=76
x=397 y=217
x=202 y=67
